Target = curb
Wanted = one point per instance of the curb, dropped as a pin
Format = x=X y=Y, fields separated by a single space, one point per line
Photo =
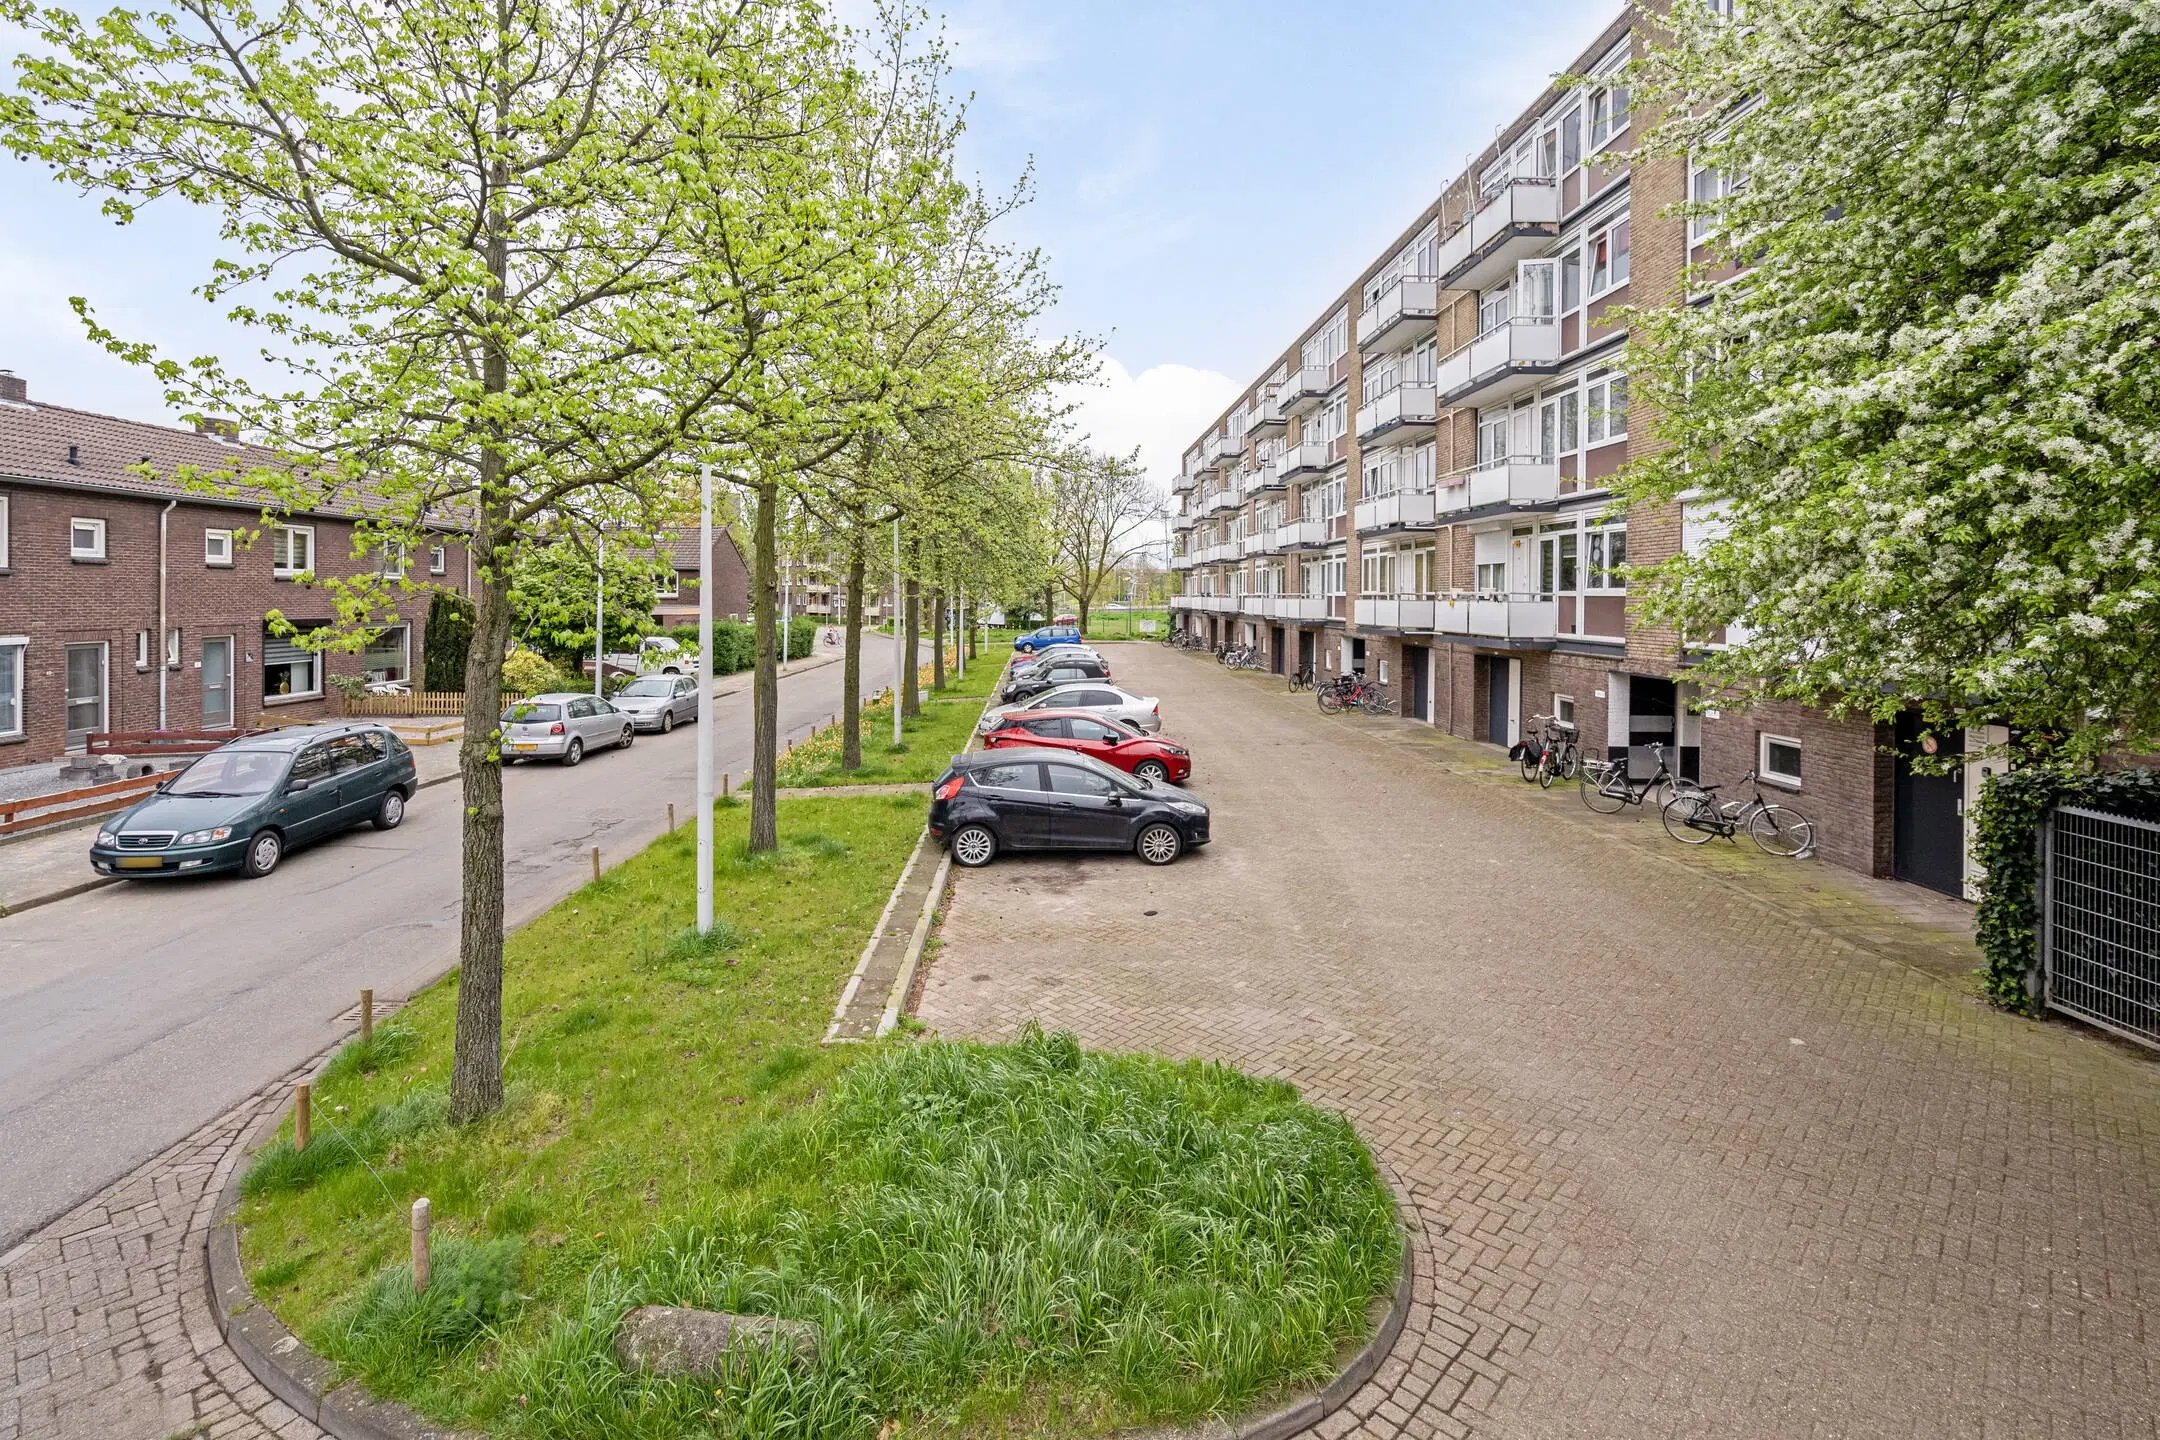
x=1310 y=1411
x=896 y=998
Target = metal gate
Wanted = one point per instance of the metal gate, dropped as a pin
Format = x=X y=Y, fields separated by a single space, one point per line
x=2100 y=920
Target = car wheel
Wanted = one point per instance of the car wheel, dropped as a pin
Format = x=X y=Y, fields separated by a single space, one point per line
x=391 y=812
x=1026 y=649
x=1159 y=844
x=629 y=733
x=973 y=846
x=575 y=753
x=1152 y=771
x=667 y=722
x=263 y=854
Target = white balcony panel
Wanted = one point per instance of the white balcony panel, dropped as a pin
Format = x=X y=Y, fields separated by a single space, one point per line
x=1253 y=544
x=1515 y=483
x=1500 y=364
x=1222 y=451
x=1409 y=406
x=1498 y=617
x=1397 y=613
x=1267 y=419
x=1310 y=458
x=1184 y=521
x=1298 y=607
x=1300 y=535
x=1511 y=226
x=1267 y=477
x=1401 y=315
x=1304 y=390
x=1184 y=602
x=1400 y=510
x=1252 y=605
x=1219 y=501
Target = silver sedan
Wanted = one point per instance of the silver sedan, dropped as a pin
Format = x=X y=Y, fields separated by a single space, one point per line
x=1141 y=711
x=659 y=702
x=563 y=727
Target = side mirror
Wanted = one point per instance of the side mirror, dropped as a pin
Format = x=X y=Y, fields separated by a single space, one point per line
x=1117 y=800
x=294 y=787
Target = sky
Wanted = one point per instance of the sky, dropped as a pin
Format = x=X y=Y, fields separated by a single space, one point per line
x=1207 y=175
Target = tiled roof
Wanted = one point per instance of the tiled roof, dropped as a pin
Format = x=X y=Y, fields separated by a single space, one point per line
x=679 y=543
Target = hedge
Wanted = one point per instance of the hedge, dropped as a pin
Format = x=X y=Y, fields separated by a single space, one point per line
x=2008 y=845
x=735 y=642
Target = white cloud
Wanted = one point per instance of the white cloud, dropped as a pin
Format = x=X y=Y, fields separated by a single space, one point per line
x=1159 y=411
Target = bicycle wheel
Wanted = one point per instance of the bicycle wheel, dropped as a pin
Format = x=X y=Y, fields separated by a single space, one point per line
x=1373 y=703
x=1689 y=818
x=1548 y=769
x=1570 y=761
x=1604 y=791
x=1330 y=702
x=1529 y=765
x=1780 y=831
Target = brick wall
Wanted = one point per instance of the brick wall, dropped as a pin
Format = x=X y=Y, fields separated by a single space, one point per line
x=1846 y=776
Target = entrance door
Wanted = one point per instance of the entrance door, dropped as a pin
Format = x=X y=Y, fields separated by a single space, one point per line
x=1307 y=649
x=217 y=683
x=1927 y=828
x=85 y=693
x=1499 y=724
x=1275 y=647
x=1417 y=667
x=1653 y=704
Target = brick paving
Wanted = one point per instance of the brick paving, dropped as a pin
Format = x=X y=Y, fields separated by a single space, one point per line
x=1692 y=1143
x=105 y=1314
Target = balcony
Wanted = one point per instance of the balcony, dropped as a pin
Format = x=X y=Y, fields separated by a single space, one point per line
x=1299 y=535
x=1499 y=365
x=1184 y=562
x=1252 y=604
x=1402 y=316
x=1222 y=453
x=1402 y=510
x=1298 y=462
x=1184 y=520
x=1397 y=612
x=1222 y=498
x=1405 y=412
x=1306 y=389
x=1512 y=225
x=1184 y=602
x=1297 y=607
x=1498 y=617
x=1253 y=544
x=1513 y=482
x=1266 y=479
x=1267 y=419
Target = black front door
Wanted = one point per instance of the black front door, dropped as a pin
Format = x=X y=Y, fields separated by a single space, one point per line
x=1653 y=706
x=1275 y=647
x=1496 y=699
x=1927 y=828
x=1417 y=665
x=1306 y=649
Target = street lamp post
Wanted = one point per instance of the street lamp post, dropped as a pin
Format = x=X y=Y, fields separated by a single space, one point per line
x=899 y=633
x=704 y=705
x=599 y=618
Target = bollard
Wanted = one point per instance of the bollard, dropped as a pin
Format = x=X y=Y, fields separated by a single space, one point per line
x=723 y=784
x=300 y=1116
x=367 y=1017
x=420 y=1222
x=596 y=862
x=671 y=817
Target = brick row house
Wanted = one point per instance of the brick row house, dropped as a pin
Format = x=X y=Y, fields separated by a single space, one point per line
x=1417 y=490
x=131 y=602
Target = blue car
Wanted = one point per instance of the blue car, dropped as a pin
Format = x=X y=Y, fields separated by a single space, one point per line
x=243 y=805
x=1035 y=640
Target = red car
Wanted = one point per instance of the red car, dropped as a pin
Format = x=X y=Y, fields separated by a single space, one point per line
x=1143 y=756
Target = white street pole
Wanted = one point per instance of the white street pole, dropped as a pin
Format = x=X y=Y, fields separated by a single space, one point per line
x=704 y=705
x=599 y=619
x=960 y=637
x=787 y=608
x=899 y=633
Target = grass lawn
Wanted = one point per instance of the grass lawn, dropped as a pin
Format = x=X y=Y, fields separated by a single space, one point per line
x=942 y=731
x=1110 y=625
x=995 y=1239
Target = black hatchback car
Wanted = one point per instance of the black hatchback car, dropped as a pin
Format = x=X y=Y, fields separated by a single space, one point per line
x=1028 y=799
x=243 y=805
x=1027 y=681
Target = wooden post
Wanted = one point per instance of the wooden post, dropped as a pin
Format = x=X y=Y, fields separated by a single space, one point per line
x=367 y=1017
x=671 y=817
x=420 y=1223
x=596 y=862
x=300 y=1116
x=723 y=784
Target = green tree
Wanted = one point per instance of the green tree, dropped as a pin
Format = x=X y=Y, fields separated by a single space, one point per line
x=553 y=589
x=1103 y=514
x=1919 y=427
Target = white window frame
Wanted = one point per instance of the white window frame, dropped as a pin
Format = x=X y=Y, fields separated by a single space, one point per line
x=1600 y=571
x=667 y=585
x=218 y=549
x=283 y=534
x=13 y=698
x=172 y=648
x=393 y=559
x=1613 y=231
x=142 y=650
x=1609 y=104
x=438 y=559
x=3 y=532
x=1599 y=415
x=1563 y=708
x=1768 y=776
x=1702 y=227
x=77 y=552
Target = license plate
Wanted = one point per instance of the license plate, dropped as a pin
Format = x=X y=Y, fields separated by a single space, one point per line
x=141 y=862
x=515 y=745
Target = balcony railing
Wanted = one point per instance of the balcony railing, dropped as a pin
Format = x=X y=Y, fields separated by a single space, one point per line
x=1222 y=452
x=1189 y=476
x=1184 y=562
x=1299 y=535
x=1400 y=316
x=1253 y=544
x=1296 y=607
x=1267 y=419
x=1267 y=478
x=1509 y=226
x=1410 y=406
x=1252 y=604
x=1184 y=520
x=1501 y=364
x=1498 y=615
x=1222 y=498
x=1512 y=482
x=1184 y=602
x=1298 y=461
x=1398 y=612
x=1399 y=510
x=1304 y=390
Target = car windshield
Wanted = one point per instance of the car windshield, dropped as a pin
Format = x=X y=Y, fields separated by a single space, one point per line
x=523 y=714
x=652 y=685
x=231 y=772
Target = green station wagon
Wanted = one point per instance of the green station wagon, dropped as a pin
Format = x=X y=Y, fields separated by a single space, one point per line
x=243 y=805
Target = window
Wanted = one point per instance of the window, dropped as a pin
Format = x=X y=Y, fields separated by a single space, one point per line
x=1609 y=102
x=1609 y=257
x=438 y=560
x=1779 y=759
x=1094 y=730
x=1009 y=777
x=1072 y=780
x=1570 y=420
x=86 y=539
x=3 y=537
x=172 y=648
x=1608 y=558
x=393 y=560
x=1571 y=140
x=1556 y=562
x=311 y=764
x=1563 y=709
x=292 y=550
x=1492 y=578
x=667 y=584
x=289 y=668
x=142 y=649
x=12 y=649
x=1571 y=280
x=1706 y=186
x=217 y=548
x=1494 y=309
x=1608 y=409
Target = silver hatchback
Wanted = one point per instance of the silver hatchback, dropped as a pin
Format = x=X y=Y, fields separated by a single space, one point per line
x=1144 y=712
x=562 y=726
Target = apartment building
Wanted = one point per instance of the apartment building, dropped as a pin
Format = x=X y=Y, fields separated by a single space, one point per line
x=131 y=602
x=1418 y=489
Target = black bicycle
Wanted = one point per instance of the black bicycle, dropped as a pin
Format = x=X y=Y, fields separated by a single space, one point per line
x=1608 y=789
x=1548 y=754
x=1301 y=679
x=1696 y=815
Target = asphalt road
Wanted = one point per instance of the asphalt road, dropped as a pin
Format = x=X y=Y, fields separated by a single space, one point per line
x=133 y=1014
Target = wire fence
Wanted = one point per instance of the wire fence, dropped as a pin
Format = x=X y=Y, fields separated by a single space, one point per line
x=2100 y=921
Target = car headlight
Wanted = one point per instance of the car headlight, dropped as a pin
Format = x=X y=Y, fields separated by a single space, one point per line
x=205 y=837
x=1175 y=750
x=1186 y=807
x=106 y=837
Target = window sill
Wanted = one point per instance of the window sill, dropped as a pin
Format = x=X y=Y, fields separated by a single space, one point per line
x=276 y=700
x=217 y=564
x=88 y=560
x=1779 y=782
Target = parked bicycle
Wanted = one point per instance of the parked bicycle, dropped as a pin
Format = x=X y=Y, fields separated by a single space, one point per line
x=1607 y=788
x=1301 y=679
x=1696 y=815
x=1354 y=691
x=1241 y=657
x=1549 y=753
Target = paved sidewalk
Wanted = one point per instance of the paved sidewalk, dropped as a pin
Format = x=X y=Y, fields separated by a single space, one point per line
x=1691 y=1145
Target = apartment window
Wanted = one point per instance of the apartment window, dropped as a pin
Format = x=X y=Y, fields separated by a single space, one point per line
x=393 y=560
x=1548 y=432
x=290 y=669
x=1494 y=308
x=142 y=650
x=1608 y=407
x=1563 y=708
x=667 y=584
x=1557 y=554
x=1778 y=759
x=1706 y=186
x=1492 y=431
x=1424 y=570
x=86 y=539
x=1570 y=421
x=217 y=548
x=172 y=648
x=1609 y=257
x=1570 y=280
x=438 y=560
x=1379 y=572
x=1609 y=102
x=12 y=650
x=1492 y=577
x=1571 y=140
x=3 y=532
x=292 y=550
x=1608 y=559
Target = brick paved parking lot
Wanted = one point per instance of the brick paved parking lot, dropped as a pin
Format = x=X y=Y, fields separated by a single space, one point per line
x=1680 y=1160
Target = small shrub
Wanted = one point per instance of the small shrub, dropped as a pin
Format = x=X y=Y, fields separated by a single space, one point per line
x=389 y=1044
x=282 y=1166
x=582 y=1019
x=388 y=1327
x=528 y=672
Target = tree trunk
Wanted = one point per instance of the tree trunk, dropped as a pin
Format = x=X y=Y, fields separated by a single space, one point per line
x=1049 y=604
x=851 y=663
x=937 y=641
x=476 y=1087
x=910 y=678
x=765 y=689
x=968 y=629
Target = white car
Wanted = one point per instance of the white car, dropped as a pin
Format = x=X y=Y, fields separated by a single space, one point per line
x=1142 y=711
x=655 y=655
x=562 y=726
